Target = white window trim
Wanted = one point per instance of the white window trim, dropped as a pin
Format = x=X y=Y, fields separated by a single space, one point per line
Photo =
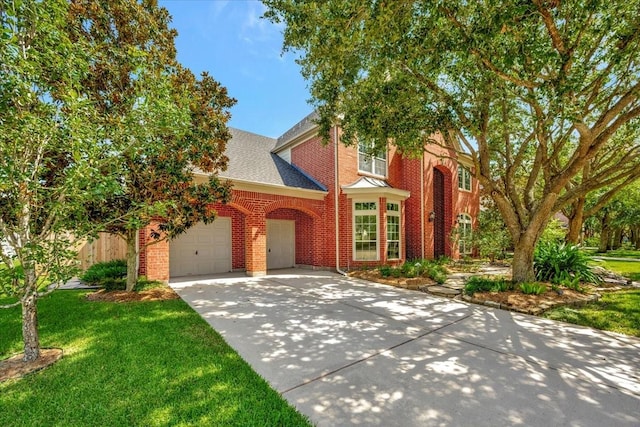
x=465 y=218
x=395 y=214
x=465 y=171
x=373 y=159
x=353 y=224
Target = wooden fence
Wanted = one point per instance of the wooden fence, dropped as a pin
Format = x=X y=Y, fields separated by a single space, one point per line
x=106 y=248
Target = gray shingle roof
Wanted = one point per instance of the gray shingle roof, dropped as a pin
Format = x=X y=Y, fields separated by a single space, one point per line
x=250 y=159
x=299 y=128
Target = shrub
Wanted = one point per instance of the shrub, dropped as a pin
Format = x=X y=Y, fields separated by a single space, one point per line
x=433 y=269
x=385 y=270
x=105 y=272
x=574 y=283
x=554 y=232
x=557 y=261
x=533 y=288
x=410 y=270
x=485 y=284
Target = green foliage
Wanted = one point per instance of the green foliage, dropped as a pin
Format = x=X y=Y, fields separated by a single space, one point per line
x=115 y=269
x=557 y=262
x=572 y=283
x=491 y=238
x=56 y=155
x=554 y=232
x=385 y=270
x=177 y=121
x=492 y=75
x=111 y=276
x=132 y=350
x=615 y=311
x=486 y=284
x=433 y=269
x=533 y=288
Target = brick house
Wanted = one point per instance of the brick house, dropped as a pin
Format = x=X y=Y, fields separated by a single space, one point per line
x=297 y=202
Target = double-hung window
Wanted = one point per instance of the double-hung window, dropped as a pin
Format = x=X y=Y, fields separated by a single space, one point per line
x=365 y=236
x=393 y=230
x=464 y=225
x=464 y=178
x=374 y=163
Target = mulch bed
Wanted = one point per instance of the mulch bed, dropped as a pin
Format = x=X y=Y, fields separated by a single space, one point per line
x=14 y=367
x=531 y=304
x=374 y=275
x=155 y=294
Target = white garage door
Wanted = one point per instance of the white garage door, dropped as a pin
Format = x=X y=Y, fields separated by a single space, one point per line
x=203 y=249
x=281 y=242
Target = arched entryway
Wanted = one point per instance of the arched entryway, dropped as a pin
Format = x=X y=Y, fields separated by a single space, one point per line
x=439 y=220
x=290 y=238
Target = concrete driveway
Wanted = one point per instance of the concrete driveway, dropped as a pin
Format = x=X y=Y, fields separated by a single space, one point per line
x=348 y=352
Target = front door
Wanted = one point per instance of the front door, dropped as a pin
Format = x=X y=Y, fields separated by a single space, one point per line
x=438 y=209
x=281 y=242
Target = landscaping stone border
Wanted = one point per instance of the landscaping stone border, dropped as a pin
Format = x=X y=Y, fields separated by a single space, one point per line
x=535 y=311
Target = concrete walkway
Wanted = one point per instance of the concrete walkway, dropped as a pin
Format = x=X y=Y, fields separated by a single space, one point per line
x=351 y=353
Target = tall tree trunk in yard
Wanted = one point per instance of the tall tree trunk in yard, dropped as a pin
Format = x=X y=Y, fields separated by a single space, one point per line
x=604 y=240
x=617 y=238
x=132 y=258
x=524 y=236
x=522 y=266
x=30 y=317
x=605 y=233
x=576 y=219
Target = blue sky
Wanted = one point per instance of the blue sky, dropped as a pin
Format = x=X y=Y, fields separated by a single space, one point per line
x=228 y=39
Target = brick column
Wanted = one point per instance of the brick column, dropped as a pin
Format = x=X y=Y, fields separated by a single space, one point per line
x=256 y=244
x=156 y=257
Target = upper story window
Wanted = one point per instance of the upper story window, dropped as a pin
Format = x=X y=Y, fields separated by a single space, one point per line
x=464 y=178
x=375 y=164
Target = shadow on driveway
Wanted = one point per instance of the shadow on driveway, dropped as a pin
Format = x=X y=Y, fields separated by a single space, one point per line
x=350 y=352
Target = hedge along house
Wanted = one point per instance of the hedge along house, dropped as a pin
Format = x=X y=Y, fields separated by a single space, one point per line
x=297 y=202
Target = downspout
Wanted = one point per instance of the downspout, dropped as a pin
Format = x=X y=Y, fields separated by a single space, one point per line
x=422 y=204
x=336 y=196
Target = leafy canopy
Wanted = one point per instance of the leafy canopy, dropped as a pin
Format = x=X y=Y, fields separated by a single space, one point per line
x=534 y=90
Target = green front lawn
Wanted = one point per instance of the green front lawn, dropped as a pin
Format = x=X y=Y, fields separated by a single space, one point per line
x=134 y=364
x=630 y=269
x=617 y=253
x=616 y=312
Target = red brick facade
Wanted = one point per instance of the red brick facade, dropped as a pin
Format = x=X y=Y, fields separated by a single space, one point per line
x=315 y=216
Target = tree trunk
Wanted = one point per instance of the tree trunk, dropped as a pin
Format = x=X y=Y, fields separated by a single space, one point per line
x=132 y=258
x=617 y=238
x=522 y=266
x=30 y=335
x=576 y=220
x=605 y=235
x=636 y=237
x=604 y=240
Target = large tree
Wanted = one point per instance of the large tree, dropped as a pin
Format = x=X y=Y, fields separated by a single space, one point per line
x=183 y=129
x=534 y=90
x=51 y=159
x=588 y=205
x=617 y=218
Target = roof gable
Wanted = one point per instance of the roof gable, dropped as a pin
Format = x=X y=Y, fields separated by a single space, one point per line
x=250 y=159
